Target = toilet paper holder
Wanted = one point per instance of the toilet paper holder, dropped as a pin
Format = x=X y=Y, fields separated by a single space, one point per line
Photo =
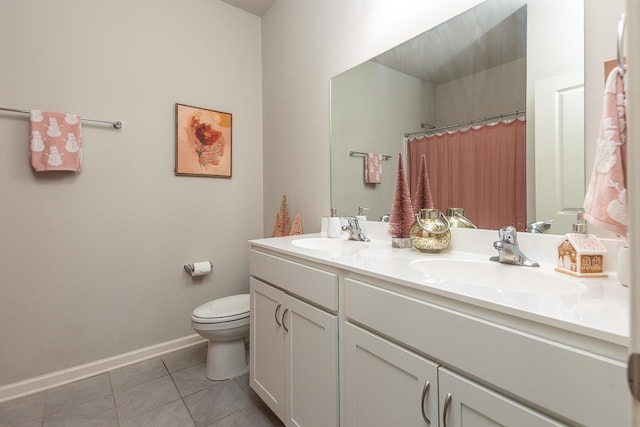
x=189 y=267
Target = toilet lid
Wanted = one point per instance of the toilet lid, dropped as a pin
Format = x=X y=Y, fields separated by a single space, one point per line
x=223 y=309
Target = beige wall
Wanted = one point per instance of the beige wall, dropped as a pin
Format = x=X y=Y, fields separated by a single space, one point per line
x=91 y=263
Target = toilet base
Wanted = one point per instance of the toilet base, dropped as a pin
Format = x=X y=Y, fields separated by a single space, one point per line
x=226 y=359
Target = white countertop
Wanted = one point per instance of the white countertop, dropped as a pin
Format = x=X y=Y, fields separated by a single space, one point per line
x=595 y=307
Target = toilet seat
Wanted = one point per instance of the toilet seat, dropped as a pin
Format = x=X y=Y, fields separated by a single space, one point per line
x=227 y=309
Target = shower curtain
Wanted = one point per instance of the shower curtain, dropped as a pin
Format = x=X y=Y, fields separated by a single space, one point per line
x=481 y=169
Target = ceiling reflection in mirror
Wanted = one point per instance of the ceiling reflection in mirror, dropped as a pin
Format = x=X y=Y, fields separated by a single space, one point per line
x=471 y=67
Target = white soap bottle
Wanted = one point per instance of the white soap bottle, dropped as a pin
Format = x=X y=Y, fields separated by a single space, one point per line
x=361 y=216
x=333 y=227
x=624 y=265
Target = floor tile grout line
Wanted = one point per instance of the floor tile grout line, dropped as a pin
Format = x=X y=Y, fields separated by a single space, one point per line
x=113 y=397
x=44 y=406
x=181 y=396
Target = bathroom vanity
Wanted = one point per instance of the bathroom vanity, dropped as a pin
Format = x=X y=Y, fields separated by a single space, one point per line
x=361 y=334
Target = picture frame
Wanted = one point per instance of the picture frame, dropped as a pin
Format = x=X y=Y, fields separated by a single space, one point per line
x=203 y=142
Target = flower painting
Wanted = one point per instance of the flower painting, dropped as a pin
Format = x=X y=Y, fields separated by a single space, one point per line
x=203 y=142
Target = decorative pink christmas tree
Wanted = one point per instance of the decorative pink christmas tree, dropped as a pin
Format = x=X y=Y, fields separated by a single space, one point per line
x=282 y=225
x=402 y=215
x=296 y=228
x=424 y=199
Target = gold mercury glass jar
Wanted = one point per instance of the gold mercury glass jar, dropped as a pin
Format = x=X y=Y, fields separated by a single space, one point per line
x=430 y=232
x=457 y=219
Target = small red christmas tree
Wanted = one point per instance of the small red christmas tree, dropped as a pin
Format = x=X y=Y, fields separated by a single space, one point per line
x=424 y=199
x=282 y=225
x=402 y=215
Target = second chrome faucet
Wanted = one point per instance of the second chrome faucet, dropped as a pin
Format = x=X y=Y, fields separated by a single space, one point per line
x=508 y=250
x=353 y=228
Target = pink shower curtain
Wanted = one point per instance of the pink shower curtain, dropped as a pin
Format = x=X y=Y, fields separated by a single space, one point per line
x=482 y=170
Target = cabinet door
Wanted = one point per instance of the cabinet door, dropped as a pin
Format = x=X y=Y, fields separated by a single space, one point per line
x=465 y=403
x=387 y=385
x=311 y=365
x=266 y=350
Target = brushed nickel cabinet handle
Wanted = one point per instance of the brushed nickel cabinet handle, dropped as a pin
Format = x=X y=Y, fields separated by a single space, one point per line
x=425 y=392
x=284 y=317
x=445 y=411
x=277 y=313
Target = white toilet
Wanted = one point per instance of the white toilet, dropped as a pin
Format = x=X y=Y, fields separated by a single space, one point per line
x=225 y=323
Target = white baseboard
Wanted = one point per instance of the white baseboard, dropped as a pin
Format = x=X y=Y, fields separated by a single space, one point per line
x=65 y=376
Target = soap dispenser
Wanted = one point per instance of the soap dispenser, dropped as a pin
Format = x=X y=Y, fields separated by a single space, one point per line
x=581 y=254
x=333 y=227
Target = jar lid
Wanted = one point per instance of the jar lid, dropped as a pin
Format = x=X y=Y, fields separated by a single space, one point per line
x=454 y=211
x=429 y=214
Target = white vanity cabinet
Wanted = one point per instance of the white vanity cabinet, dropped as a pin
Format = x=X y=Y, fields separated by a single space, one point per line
x=385 y=384
x=293 y=343
x=409 y=355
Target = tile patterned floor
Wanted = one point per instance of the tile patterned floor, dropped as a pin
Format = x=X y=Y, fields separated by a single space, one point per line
x=170 y=391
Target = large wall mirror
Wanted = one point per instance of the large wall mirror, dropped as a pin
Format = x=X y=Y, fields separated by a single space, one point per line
x=498 y=58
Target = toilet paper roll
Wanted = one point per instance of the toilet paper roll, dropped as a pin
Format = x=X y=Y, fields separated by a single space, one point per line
x=201 y=268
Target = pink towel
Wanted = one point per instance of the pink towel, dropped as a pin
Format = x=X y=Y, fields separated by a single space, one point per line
x=56 y=141
x=373 y=168
x=605 y=203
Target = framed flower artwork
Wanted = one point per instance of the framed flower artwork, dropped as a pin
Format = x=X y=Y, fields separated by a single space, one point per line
x=203 y=142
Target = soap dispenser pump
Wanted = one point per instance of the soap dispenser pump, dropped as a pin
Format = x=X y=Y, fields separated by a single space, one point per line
x=581 y=254
x=333 y=227
x=581 y=225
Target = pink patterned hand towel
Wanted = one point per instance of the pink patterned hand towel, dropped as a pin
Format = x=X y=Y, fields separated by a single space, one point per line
x=56 y=141
x=373 y=168
x=605 y=203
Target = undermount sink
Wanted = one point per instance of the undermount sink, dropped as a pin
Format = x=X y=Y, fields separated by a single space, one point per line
x=495 y=277
x=339 y=246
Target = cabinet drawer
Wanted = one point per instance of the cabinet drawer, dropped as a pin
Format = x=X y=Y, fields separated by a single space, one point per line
x=535 y=369
x=310 y=283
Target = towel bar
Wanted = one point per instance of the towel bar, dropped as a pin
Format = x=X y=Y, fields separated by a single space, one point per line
x=117 y=124
x=358 y=153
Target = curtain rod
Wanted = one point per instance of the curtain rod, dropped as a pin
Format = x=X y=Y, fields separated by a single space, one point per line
x=117 y=124
x=469 y=123
x=358 y=153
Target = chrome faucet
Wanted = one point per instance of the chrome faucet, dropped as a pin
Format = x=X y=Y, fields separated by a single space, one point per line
x=539 y=226
x=508 y=250
x=353 y=228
